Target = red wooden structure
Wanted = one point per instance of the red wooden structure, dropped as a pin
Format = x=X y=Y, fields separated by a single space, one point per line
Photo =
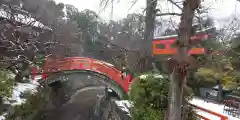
x=167 y=42
x=53 y=66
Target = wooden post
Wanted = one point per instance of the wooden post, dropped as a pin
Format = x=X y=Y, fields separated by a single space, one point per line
x=178 y=75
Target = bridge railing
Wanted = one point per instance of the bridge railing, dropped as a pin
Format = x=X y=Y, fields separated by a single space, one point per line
x=210 y=112
x=52 y=66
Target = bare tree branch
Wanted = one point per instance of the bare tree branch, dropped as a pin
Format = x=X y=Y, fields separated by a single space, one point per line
x=175 y=3
x=165 y=14
x=179 y=7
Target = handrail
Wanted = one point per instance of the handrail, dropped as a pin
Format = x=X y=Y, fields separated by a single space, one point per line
x=202 y=117
x=210 y=112
x=79 y=63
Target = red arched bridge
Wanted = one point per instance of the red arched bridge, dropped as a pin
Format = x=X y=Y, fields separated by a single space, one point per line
x=53 y=66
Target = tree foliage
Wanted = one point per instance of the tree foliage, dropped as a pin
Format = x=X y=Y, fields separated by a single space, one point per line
x=30 y=29
x=6 y=83
x=31 y=109
x=149 y=96
x=6 y=87
x=218 y=67
x=218 y=63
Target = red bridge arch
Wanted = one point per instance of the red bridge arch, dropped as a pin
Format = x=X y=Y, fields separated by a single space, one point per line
x=52 y=66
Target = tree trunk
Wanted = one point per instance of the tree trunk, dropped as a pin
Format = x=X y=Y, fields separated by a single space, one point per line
x=149 y=27
x=166 y=115
x=23 y=72
x=178 y=76
x=146 y=52
x=220 y=93
x=175 y=101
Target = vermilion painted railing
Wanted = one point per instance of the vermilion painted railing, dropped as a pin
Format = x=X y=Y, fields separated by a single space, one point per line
x=202 y=117
x=52 y=66
x=222 y=117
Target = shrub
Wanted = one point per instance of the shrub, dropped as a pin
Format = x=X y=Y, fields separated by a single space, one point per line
x=30 y=108
x=6 y=83
x=149 y=96
x=6 y=87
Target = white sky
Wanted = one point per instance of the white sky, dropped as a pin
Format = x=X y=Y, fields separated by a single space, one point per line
x=120 y=10
x=220 y=9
